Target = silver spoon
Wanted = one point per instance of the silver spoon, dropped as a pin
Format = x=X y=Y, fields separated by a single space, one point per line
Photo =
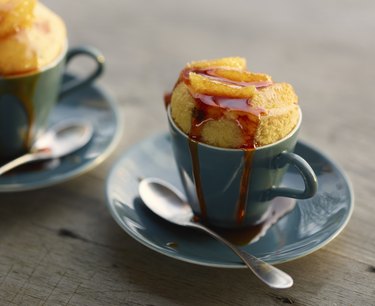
x=167 y=202
x=61 y=139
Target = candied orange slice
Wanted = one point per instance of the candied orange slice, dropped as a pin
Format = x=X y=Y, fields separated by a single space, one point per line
x=233 y=62
x=205 y=85
x=240 y=75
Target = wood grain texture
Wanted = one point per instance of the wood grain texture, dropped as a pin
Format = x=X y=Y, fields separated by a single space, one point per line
x=60 y=246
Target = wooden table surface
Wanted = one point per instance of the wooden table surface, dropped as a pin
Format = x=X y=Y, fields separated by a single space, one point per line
x=324 y=48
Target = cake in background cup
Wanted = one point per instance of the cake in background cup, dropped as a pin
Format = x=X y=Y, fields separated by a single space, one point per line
x=33 y=55
x=32 y=37
x=233 y=134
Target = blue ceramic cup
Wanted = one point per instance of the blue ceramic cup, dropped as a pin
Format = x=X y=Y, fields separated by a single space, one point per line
x=26 y=100
x=234 y=188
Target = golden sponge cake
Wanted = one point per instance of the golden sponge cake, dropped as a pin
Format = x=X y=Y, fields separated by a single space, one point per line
x=220 y=103
x=33 y=37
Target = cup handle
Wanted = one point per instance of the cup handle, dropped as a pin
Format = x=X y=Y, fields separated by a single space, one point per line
x=307 y=173
x=96 y=55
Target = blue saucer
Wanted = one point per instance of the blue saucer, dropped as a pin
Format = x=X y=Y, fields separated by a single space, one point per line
x=309 y=226
x=97 y=106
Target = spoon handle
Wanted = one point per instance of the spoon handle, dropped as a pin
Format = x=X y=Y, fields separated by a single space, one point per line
x=270 y=275
x=24 y=159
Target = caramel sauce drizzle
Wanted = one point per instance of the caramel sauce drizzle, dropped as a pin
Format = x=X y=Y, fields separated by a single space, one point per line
x=193 y=146
x=245 y=179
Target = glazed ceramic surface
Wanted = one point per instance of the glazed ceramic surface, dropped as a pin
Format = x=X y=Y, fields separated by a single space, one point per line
x=309 y=226
x=235 y=188
x=98 y=107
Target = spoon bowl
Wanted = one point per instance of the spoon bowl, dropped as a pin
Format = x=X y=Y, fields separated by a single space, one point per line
x=167 y=202
x=61 y=139
x=64 y=137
